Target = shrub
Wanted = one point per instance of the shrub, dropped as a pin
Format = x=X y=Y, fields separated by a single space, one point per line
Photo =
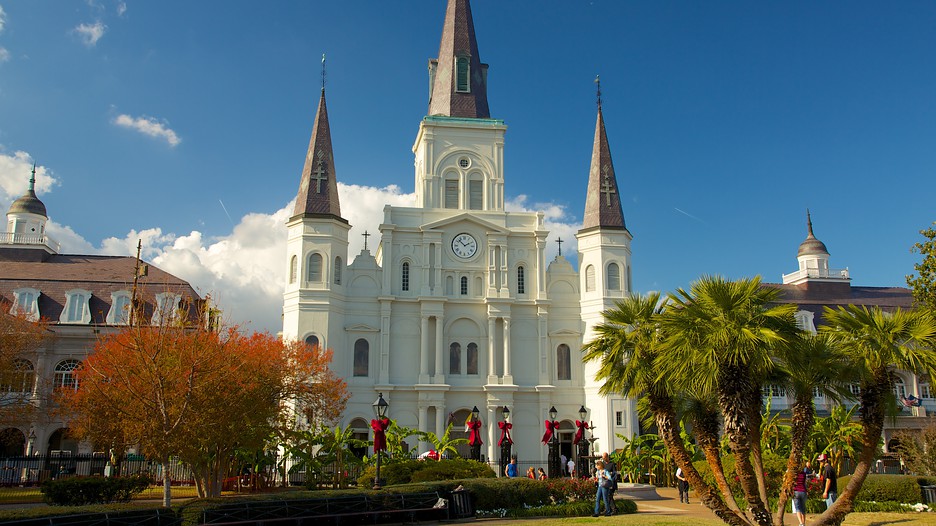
x=425 y=471
x=564 y=490
x=774 y=467
x=80 y=491
x=889 y=488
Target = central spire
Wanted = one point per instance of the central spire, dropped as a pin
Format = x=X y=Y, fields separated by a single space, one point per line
x=457 y=78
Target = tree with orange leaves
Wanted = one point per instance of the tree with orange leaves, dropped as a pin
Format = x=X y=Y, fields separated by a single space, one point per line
x=20 y=338
x=198 y=395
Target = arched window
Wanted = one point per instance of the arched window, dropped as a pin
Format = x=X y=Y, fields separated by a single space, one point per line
x=293 y=269
x=455 y=358
x=19 y=379
x=900 y=389
x=449 y=285
x=119 y=313
x=925 y=391
x=76 y=307
x=472 y=359
x=464 y=285
x=315 y=268
x=64 y=377
x=521 y=281
x=589 y=278
x=404 y=276
x=451 y=193
x=475 y=194
x=338 y=270
x=462 y=75
x=563 y=362
x=361 y=357
x=614 y=276
x=312 y=341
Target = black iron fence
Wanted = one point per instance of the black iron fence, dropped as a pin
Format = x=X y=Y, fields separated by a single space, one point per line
x=36 y=469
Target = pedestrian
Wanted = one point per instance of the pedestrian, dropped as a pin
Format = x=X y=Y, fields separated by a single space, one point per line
x=611 y=468
x=542 y=474
x=682 y=484
x=531 y=473
x=603 y=486
x=571 y=467
x=800 y=487
x=829 y=481
x=510 y=471
x=563 y=460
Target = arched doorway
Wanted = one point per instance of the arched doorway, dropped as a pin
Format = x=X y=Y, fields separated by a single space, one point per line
x=12 y=442
x=359 y=431
x=61 y=450
x=458 y=431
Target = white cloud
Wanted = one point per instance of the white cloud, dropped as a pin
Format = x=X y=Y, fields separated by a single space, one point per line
x=2 y=18
x=149 y=126
x=4 y=55
x=90 y=33
x=244 y=271
x=558 y=221
x=121 y=8
x=15 y=171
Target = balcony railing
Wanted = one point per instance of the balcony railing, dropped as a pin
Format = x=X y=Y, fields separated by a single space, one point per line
x=811 y=273
x=19 y=238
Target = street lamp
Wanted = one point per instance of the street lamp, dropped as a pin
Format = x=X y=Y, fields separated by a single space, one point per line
x=380 y=409
x=554 y=470
x=476 y=435
x=505 y=441
x=583 y=442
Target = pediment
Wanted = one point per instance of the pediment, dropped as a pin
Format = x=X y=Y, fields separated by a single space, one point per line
x=564 y=332
x=361 y=327
x=465 y=217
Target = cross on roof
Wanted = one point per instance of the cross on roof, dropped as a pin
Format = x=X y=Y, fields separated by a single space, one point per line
x=366 y=235
x=319 y=175
x=559 y=242
x=606 y=187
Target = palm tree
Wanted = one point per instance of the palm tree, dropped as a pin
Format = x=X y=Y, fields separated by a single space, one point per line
x=444 y=443
x=721 y=338
x=877 y=342
x=627 y=344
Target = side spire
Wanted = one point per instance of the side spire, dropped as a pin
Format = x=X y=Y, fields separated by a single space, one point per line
x=458 y=79
x=318 y=186
x=603 y=200
x=811 y=246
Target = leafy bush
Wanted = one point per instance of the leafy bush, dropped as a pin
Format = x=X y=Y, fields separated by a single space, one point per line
x=889 y=488
x=564 y=490
x=774 y=467
x=425 y=471
x=569 y=509
x=80 y=491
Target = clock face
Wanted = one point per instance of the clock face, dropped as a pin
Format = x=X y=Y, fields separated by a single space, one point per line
x=464 y=246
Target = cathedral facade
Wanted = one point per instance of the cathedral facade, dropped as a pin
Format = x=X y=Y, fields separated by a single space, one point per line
x=457 y=306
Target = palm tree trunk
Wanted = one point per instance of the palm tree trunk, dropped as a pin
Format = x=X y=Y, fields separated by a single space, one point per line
x=706 y=431
x=871 y=415
x=757 y=458
x=802 y=422
x=662 y=408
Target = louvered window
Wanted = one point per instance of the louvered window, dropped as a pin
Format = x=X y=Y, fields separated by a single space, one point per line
x=463 y=74
x=451 y=193
x=315 y=268
x=614 y=277
x=589 y=279
x=337 y=271
x=475 y=194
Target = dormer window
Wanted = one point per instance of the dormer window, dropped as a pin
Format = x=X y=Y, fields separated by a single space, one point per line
x=462 y=75
x=76 y=307
x=26 y=302
x=119 y=313
x=167 y=308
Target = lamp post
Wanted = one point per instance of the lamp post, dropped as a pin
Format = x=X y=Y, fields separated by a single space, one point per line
x=583 y=444
x=31 y=442
x=505 y=441
x=554 y=470
x=380 y=409
x=476 y=435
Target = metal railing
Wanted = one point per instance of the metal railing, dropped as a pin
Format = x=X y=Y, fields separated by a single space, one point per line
x=19 y=238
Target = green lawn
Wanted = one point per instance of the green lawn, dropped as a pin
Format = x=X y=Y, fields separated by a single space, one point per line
x=853 y=519
x=32 y=494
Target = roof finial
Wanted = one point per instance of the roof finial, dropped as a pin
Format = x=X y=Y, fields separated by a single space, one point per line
x=809 y=232
x=323 y=71
x=598 y=85
x=32 y=180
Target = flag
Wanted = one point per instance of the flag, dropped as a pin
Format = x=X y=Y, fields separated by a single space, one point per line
x=910 y=401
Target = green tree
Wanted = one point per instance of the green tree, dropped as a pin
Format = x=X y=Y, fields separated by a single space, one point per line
x=443 y=444
x=876 y=342
x=396 y=441
x=838 y=435
x=918 y=450
x=721 y=337
x=923 y=284
x=627 y=345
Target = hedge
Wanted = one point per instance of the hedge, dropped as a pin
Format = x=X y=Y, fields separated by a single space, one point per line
x=80 y=491
x=890 y=488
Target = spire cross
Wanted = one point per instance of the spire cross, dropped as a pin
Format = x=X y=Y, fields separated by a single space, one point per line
x=606 y=187
x=598 y=85
x=319 y=175
x=323 y=71
x=559 y=242
x=366 y=235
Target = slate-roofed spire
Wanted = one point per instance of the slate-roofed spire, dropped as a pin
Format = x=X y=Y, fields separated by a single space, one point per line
x=318 y=187
x=603 y=200
x=458 y=78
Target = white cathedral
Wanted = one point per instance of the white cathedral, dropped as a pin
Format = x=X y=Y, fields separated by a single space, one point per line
x=457 y=307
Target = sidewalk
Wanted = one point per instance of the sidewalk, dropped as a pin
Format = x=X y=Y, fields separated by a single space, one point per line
x=668 y=504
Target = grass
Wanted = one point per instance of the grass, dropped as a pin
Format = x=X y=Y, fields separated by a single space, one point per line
x=853 y=519
x=32 y=495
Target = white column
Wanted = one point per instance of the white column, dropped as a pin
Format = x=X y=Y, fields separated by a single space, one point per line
x=440 y=420
x=493 y=433
x=423 y=424
x=387 y=238
x=424 y=350
x=492 y=364
x=508 y=377
x=439 y=286
x=438 y=351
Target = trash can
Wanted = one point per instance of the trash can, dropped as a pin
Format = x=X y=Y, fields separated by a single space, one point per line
x=460 y=506
x=929 y=494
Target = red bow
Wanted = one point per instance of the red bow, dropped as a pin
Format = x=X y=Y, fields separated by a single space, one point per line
x=550 y=427
x=380 y=437
x=474 y=433
x=580 y=434
x=505 y=433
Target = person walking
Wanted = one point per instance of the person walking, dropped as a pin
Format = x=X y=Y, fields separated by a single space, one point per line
x=603 y=483
x=611 y=468
x=571 y=467
x=799 y=492
x=829 y=480
x=682 y=484
x=510 y=471
x=531 y=473
x=541 y=474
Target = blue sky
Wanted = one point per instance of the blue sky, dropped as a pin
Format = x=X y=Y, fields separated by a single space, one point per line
x=186 y=124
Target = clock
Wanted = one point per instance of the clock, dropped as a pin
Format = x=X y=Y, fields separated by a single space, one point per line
x=464 y=245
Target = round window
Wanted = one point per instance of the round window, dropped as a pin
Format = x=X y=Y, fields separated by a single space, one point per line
x=464 y=162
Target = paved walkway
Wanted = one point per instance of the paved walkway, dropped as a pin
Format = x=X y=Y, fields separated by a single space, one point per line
x=668 y=504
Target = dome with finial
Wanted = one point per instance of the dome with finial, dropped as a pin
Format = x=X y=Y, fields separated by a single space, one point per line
x=811 y=246
x=28 y=203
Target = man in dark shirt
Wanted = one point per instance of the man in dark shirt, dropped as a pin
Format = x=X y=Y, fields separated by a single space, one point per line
x=828 y=480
